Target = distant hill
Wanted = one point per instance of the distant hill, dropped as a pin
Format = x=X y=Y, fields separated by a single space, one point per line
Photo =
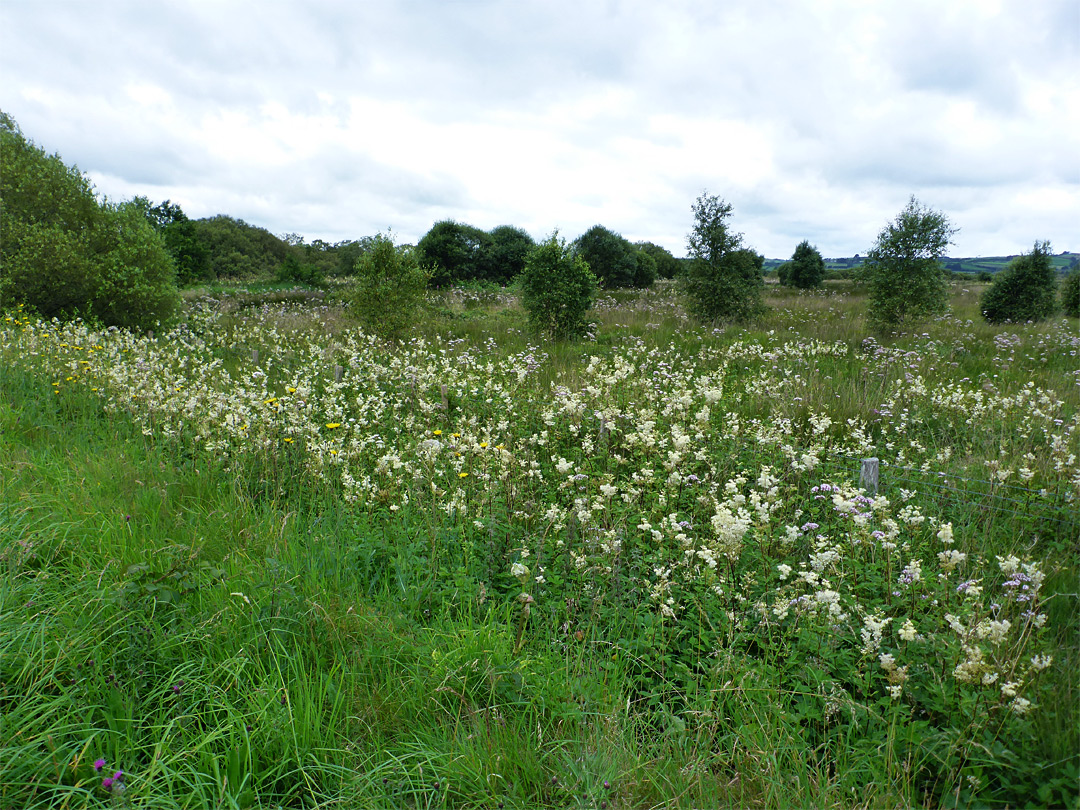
x=1063 y=262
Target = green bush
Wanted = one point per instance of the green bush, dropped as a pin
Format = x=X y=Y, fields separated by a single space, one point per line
x=390 y=286
x=806 y=269
x=610 y=257
x=1070 y=294
x=292 y=269
x=723 y=281
x=64 y=253
x=646 y=272
x=667 y=266
x=557 y=289
x=1024 y=291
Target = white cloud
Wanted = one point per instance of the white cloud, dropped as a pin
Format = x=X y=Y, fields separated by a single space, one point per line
x=814 y=120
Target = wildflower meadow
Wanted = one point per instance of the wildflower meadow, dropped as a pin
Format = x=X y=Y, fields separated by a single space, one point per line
x=263 y=559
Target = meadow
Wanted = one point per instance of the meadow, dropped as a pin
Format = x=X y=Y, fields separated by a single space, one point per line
x=261 y=559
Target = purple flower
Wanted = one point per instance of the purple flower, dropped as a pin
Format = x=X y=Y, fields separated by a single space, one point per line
x=99 y=764
x=107 y=783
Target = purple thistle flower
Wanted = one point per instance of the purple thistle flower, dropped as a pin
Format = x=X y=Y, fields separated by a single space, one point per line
x=99 y=764
x=107 y=783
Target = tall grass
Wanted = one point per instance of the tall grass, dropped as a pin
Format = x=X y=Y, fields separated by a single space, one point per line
x=228 y=590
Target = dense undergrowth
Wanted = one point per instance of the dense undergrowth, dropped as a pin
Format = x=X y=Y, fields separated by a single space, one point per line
x=261 y=559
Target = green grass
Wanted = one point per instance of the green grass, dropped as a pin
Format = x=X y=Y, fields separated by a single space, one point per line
x=236 y=627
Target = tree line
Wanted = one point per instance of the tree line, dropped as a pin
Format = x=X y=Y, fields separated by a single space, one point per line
x=66 y=253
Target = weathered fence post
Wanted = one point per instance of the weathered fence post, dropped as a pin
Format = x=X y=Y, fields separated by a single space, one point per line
x=255 y=356
x=338 y=371
x=868 y=475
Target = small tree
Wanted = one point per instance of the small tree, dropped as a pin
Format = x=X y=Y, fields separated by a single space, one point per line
x=723 y=280
x=806 y=269
x=1070 y=293
x=557 y=289
x=1026 y=290
x=390 y=286
x=903 y=269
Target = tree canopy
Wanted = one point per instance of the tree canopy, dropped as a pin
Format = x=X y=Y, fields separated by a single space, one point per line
x=65 y=253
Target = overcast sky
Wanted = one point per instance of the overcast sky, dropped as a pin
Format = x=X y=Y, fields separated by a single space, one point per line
x=815 y=119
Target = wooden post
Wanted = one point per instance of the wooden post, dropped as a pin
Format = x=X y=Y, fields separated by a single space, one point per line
x=254 y=355
x=868 y=475
x=150 y=334
x=338 y=371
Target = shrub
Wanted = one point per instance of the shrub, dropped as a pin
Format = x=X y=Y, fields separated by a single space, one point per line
x=806 y=269
x=1070 y=293
x=292 y=269
x=903 y=269
x=1026 y=290
x=646 y=271
x=667 y=266
x=723 y=280
x=64 y=253
x=390 y=285
x=455 y=252
x=611 y=258
x=557 y=289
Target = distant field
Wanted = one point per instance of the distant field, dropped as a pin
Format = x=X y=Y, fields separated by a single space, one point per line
x=979 y=264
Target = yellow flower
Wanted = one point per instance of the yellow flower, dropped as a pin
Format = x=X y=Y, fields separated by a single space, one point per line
x=436 y=433
x=463 y=475
x=270 y=401
x=456 y=435
x=332 y=425
x=288 y=440
x=483 y=445
x=291 y=390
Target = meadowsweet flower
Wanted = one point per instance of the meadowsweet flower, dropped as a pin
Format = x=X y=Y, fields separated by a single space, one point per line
x=945 y=534
x=1020 y=706
x=1041 y=662
x=908 y=631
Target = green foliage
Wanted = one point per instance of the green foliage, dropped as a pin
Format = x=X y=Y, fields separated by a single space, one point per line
x=507 y=250
x=1024 y=291
x=646 y=272
x=1070 y=293
x=611 y=258
x=181 y=240
x=239 y=251
x=903 y=268
x=667 y=266
x=557 y=289
x=806 y=269
x=462 y=253
x=390 y=286
x=722 y=280
x=455 y=252
x=65 y=253
x=292 y=269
